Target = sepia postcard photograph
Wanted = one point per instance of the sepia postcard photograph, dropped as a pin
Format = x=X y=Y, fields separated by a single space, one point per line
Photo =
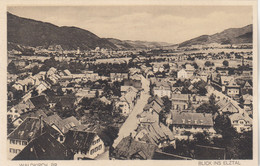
x=164 y=82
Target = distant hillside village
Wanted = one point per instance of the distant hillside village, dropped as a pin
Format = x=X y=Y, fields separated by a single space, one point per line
x=167 y=103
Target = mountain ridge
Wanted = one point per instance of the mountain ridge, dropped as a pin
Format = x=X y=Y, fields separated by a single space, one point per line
x=227 y=36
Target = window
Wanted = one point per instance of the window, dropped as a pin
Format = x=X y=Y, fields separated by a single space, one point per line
x=92 y=151
x=13 y=142
x=61 y=138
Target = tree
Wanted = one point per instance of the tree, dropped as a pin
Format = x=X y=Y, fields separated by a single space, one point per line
x=35 y=70
x=96 y=94
x=212 y=99
x=11 y=68
x=60 y=91
x=208 y=107
x=10 y=125
x=195 y=65
x=223 y=126
x=207 y=63
x=167 y=104
x=225 y=63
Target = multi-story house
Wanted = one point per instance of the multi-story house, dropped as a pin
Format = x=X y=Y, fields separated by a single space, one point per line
x=84 y=144
x=183 y=122
x=180 y=101
x=162 y=89
x=30 y=129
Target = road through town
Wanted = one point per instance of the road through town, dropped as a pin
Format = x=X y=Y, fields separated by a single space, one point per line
x=131 y=122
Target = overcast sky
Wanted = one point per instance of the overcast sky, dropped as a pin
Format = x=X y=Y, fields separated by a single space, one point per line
x=172 y=24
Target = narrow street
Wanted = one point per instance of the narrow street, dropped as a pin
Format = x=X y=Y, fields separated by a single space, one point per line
x=131 y=122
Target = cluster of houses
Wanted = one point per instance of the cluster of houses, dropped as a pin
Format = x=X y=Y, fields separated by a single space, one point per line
x=45 y=136
x=40 y=133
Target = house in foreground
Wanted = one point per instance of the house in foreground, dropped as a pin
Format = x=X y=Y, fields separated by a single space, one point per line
x=183 y=122
x=84 y=144
x=30 y=129
x=44 y=147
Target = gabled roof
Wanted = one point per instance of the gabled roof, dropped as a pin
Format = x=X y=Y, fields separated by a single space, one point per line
x=189 y=67
x=225 y=79
x=153 y=105
x=228 y=106
x=53 y=119
x=128 y=148
x=247 y=85
x=176 y=89
x=105 y=100
x=155 y=132
x=67 y=72
x=79 y=140
x=33 y=113
x=157 y=99
x=51 y=71
x=232 y=83
x=44 y=147
x=184 y=97
x=30 y=128
x=39 y=101
x=247 y=98
x=66 y=101
x=187 y=118
x=241 y=116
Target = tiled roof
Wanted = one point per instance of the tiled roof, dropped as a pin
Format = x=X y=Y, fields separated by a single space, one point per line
x=157 y=99
x=228 y=106
x=241 y=116
x=247 y=85
x=154 y=105
x=79 y=140
x=186 y=118
x=44 y=147
x=53 y=119
x=128 y=148
x=39 y=101
x=156 y=132
x=34 y=113
x=30 y=129
x=184 y=97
